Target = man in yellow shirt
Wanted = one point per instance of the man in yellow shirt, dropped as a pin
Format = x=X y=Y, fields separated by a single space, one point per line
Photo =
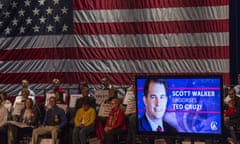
x=83 y=122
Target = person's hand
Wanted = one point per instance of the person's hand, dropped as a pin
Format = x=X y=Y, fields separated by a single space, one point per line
x=81 y=125
x=106 y=129
x=226 y=118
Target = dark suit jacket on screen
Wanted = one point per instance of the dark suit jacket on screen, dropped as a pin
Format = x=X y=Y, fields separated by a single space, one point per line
x=144 y=125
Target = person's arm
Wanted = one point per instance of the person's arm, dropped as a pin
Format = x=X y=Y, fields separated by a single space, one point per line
x=17 y=99
x=4 y=114
x=77 y=117
x=120 y=120
x=92 y=116
x=9 y=106
x=63 y=118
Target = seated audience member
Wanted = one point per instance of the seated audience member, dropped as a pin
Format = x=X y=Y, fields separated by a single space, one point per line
x=106 y=83
x=83 y=122
x=56 y=86
x=82 y=85
x=231 y=109
x=234 y=118
x=85 y=93
x=62 y=104
x=56 y=89
x=3 y=121
x=231 y=95
x=112 y=95
x=237 y=87
x=25 y=85
x=23 y=97
x=115 y=124
x=7 y=104
x=59 y=97
x=54 y=120
x=29 y=115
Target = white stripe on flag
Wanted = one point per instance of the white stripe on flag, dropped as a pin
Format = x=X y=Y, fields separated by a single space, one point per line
x=117 y=66
x=144 y=40
x=153 y=14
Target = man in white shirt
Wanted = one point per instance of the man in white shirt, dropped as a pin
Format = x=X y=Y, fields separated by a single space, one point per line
x=106 y=83
x=230 y=96
x=25 y=94
x=25 y=85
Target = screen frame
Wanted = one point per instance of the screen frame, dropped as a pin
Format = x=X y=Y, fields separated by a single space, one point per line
x=181 y=134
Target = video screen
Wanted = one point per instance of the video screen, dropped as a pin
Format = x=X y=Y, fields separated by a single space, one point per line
x=179 y=105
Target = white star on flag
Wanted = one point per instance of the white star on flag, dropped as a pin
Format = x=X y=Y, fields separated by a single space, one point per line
x=14 y=21
x=22 y=29
x=49 y=10
x=7 y=30
x=56 y=18
x=21 y=12
x=28 y=20
x=42 y=20
x=41 y=2
x=36 y=28
x=64 y=10
x=50 y=28
x=27 y=3
x=36 y=11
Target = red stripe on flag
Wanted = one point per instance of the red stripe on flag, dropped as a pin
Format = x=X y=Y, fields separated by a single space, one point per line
x=91 y=78
x=136 y=4
x=151 y=53
x=152 y=27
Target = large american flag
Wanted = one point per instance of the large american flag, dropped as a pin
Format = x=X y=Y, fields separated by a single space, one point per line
x=84 y=40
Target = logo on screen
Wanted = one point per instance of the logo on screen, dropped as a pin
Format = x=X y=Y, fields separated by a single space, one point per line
x=214 y=125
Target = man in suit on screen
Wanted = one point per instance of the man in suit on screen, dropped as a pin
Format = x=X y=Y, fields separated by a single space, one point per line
x=155 y=100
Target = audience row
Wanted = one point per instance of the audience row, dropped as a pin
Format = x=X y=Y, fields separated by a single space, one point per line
x=25 y=116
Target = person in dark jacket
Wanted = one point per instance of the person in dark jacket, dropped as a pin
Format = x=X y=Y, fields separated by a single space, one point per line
x=54 y=120
x=155 y=100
